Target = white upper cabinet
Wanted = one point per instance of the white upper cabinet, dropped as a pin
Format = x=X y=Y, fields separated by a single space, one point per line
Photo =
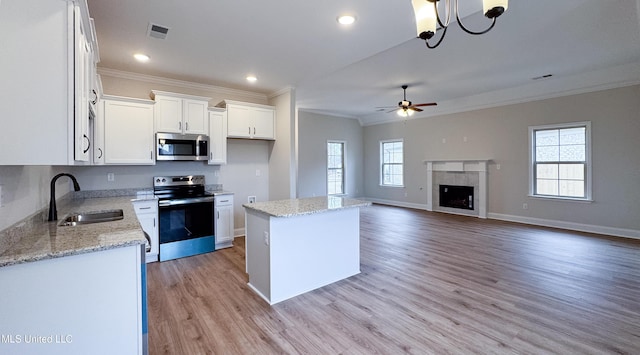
x=178 y=113
x=128 y=131
x=248 y=120
x=46 y=62
x=217 y=136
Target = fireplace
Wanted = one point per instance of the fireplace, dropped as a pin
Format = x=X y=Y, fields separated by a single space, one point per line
x=456 y=196
x=469 y=173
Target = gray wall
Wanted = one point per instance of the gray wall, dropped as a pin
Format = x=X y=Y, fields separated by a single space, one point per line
x=501 y=134
x=313 y=132
x=26 y=190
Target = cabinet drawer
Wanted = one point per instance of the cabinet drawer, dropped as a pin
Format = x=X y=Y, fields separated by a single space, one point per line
x=142 y=207
x=223 y=200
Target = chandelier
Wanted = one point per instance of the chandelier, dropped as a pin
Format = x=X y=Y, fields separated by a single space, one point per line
x=428 y=17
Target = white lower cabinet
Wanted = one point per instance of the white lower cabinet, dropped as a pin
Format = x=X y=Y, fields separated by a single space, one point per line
x=128 y=131
x=223 y=214
x=147 y=213
x=91 y=303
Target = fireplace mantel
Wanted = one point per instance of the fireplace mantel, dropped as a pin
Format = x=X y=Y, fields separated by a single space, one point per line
x=460 y=165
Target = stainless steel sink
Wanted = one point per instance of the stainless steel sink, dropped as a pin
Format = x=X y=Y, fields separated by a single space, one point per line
x=92 y=217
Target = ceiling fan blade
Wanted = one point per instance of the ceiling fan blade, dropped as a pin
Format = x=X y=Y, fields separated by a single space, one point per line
x=394 y=110
x=387 y=106
x=426 y=104
x=415 y=109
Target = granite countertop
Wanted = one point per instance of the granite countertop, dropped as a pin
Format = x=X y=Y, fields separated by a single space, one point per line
x=41 y=240
x=304 y=206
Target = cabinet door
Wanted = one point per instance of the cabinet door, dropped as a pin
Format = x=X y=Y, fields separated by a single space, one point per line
x=98 y=135
x=217 y=137
x=168 y=114
x=224 y=225
x=128 y=132
x=149 y=224
x=264 y=123
x=82 y=77
x=195 y=116
x=239 y=122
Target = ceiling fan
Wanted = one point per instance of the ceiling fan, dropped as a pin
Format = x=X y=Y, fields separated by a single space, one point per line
x=405 y=107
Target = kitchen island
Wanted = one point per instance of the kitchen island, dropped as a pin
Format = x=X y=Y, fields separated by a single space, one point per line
x=298 y=245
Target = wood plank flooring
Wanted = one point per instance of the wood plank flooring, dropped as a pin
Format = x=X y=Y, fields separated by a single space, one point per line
x=431 y=283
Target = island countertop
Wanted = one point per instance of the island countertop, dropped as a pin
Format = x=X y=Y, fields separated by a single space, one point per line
x=46 y=240
x=304 y=206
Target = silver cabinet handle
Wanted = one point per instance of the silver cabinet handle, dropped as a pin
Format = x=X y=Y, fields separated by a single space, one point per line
x=179 y=125
x=254 y=131
x=145 y=208
x=100 y=149
x=249 y=130
x=186 y=126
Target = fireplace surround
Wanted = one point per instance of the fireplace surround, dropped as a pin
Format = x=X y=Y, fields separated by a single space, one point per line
x=472 y=173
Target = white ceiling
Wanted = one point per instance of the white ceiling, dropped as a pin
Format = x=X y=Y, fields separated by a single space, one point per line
x=586 y=44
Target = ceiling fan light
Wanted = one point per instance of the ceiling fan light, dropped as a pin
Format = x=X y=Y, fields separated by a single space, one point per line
x=425 y=18
x=494 y=8
x=402 y=113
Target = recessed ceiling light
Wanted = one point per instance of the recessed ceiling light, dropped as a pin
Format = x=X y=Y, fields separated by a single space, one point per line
x=252 y=78
x=346 y=19
x=143 y=58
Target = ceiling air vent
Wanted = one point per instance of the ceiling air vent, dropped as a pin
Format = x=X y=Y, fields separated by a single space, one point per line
x=157 y=31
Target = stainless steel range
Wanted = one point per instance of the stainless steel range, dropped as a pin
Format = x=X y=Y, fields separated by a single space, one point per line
x=185 y=212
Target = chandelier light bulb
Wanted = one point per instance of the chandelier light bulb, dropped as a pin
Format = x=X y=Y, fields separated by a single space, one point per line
x=429 y=17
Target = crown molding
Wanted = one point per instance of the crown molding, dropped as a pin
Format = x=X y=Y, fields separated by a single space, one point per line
x=284 y=90
x=179 y=83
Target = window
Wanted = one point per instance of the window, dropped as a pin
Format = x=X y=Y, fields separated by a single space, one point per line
x=391 y=158
x=560 y=161
x=335 y=167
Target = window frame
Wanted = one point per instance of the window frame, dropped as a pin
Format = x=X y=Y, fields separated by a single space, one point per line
x=588 y=164
x=382 y=164
x=344 y=166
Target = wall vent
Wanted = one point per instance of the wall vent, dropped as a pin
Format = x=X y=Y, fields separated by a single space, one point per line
x=157 y=31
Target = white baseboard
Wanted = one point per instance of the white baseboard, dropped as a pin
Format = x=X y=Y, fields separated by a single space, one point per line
x=589 y=228
x=238 y=232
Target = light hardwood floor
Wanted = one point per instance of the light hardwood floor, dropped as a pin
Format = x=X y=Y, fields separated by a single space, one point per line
x=431 y=283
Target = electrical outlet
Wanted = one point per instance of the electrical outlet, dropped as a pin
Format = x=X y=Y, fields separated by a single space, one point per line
x=525 y=206
x=252 y=199
x=266 y=238
x=111 y=177
x=497 y=166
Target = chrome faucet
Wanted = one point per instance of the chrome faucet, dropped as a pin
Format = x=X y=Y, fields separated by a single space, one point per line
x=53 y=211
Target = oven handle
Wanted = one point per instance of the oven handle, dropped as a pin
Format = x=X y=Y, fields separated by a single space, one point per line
x=184 y=201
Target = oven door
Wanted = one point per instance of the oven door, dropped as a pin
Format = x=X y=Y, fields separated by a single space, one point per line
x=186 y=227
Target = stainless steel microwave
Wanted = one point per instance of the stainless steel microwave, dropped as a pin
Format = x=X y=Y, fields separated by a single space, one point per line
x=174 y=146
